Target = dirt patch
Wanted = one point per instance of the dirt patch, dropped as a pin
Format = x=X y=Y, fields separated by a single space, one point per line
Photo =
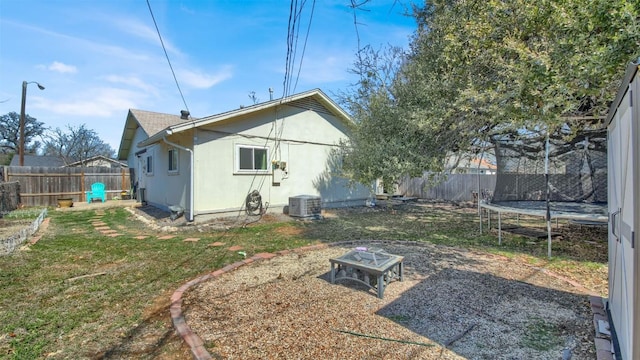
x=452 y=304
x=289 y=230
x=160 y=219
x=11 y=227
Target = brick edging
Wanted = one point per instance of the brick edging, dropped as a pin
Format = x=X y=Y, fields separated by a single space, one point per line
x=196 y=344
x=198 y=351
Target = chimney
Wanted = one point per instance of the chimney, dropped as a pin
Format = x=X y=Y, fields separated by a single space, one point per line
x=184 y=114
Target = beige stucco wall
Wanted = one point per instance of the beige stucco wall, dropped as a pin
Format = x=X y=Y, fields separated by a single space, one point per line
x=305 y=144
x=163 y=188
x=305 y=141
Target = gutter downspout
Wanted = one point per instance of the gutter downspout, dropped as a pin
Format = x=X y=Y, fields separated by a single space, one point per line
x=191 y=182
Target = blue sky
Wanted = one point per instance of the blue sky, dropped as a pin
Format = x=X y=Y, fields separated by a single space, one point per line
x=99 y=58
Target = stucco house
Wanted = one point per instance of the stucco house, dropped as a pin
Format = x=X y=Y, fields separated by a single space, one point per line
x=280 y=148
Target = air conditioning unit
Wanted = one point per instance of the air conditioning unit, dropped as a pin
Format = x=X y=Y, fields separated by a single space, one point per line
x=304 y=205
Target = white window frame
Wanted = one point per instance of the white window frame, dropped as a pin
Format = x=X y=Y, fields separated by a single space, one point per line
x=149 y=165
x=176 y=163
x=238 y=170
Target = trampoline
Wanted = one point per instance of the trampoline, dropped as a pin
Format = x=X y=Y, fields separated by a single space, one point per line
x=540 y=174
x=594 y=212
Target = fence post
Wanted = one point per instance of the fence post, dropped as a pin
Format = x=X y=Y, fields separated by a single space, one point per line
x=82 y=193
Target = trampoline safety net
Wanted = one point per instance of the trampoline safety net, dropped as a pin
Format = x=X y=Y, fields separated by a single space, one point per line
x=577 y=168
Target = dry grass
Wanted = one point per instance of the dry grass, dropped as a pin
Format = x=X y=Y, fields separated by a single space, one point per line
x=124 y=313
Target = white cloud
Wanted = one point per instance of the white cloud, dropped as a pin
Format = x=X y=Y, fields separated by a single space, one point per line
x=131 y=81
x=201 y=80
x=100 y=102
x=62 y=68
x=145 y=32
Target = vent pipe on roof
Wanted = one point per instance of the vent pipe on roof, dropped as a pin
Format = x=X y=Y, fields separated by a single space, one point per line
x=184 y=114
x=270 y=94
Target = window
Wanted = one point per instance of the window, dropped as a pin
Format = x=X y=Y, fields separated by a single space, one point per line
x=251 y=158
x=150 y=165
x=173 y=160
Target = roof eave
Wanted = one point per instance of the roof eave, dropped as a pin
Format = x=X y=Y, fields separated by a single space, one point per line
x=317 y=93
x=632 y=68
x=128 y=134
x=155 y=138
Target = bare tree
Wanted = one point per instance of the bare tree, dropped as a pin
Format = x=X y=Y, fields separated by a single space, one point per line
x=253 y=97
x=10 y=133
x=76 y=144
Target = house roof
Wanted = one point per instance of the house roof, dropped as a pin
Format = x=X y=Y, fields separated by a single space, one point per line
x=469 y=161
x=483 y=164
x=38 y=160
x=312 y=99
x=150 y=122
x=98 y=157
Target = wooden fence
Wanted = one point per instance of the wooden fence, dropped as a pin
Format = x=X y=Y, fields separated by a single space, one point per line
x=453 y=187
x=43 y=186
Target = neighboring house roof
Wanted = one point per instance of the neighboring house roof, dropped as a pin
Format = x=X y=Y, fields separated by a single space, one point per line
x=157 y=125
x=38 y=160
x=150 y=122
x=482 y=164
x=468 y=161
x=98 y=158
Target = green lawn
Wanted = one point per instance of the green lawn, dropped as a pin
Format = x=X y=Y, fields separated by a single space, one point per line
x=79 y=293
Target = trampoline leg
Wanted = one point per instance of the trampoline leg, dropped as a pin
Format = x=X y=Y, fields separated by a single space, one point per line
x=499 y=229
x=549 y=238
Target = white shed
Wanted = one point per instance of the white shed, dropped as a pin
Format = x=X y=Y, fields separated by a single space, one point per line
x=624 y=216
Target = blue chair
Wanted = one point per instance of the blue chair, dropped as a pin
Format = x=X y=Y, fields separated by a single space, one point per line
x=97 y=192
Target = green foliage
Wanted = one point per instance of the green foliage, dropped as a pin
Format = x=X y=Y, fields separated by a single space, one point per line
x=28 y=213
x=386 y=143
x=541 y=335
x=478 y=68
x=518 y=62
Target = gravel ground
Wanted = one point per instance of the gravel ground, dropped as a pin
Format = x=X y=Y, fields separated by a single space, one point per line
x=452 y=304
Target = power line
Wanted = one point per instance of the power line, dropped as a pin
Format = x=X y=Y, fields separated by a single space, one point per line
x=304 y=47
x=167 y=56
x=290 y=34
x=293 y=35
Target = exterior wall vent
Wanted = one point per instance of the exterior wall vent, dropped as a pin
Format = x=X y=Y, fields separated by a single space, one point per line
x=304 y=205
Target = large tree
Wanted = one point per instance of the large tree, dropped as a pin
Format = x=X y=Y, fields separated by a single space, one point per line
x=385 y=143
x=517 y=62
x=480 y=67
x=10 y=133
x=76 y=144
